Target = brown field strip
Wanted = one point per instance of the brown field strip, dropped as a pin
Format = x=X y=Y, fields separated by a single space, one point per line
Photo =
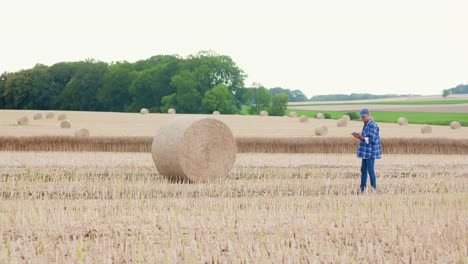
x=244 y=144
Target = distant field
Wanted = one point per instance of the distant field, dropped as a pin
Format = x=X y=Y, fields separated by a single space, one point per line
x=427 y=102
x=391 y=117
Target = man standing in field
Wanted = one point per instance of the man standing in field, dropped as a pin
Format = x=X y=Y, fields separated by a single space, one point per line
x=369 y=148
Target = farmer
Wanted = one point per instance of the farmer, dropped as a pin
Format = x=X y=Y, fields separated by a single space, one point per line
x=369 y=148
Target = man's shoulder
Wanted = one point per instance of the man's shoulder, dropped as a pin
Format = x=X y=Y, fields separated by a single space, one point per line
x=373 y=123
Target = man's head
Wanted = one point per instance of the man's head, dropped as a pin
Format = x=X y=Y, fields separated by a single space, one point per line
x=365 y=115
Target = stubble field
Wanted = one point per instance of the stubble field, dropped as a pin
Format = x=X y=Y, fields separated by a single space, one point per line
x=114 y=207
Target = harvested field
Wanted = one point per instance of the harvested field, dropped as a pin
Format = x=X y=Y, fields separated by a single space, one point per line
x=114 y=207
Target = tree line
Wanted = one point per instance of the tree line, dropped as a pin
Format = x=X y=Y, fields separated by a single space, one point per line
x=459 y=89
x=199 y=83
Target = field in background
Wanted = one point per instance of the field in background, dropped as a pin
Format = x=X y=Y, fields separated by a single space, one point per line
x=421 y=102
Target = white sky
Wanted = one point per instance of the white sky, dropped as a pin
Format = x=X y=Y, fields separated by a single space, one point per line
x=320 y=47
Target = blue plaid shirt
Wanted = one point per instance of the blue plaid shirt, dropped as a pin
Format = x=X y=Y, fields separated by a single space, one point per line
x=370 y=148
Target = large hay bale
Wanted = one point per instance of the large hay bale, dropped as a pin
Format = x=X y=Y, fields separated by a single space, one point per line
x=455 y=125
x=402 y=121
x=61 y=117
x=321 y=131
x=37 y=116
x=50 y=115
x=82 y=133
x=426 y=129
x=65 y=124
x=342 y=123
x=216 y=113
x=23 y=121
x=263 y=113
x=293 y=114
x=320 y=116
x=144 y=111
x=303 y=119
x=171 y=111
x=194 y=149
x=346 y=117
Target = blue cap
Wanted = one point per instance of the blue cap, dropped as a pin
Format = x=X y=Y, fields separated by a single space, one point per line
x=364 y=112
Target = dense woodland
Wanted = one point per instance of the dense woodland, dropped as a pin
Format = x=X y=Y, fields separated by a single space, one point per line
x=200 y=83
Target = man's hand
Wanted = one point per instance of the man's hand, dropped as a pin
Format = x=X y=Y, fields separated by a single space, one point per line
x=358 y=136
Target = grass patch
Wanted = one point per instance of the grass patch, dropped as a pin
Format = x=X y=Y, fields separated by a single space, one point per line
x=429 y=102
x=391 y=117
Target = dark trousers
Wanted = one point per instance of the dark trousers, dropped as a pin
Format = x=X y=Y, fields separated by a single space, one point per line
x=367 y=167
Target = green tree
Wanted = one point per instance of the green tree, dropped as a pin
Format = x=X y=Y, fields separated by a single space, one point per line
x=446 y=93
x=279 y=104
x=3 y=79
x=188 y=99
x=261 y=99
x=114 y=93
x=219 y=98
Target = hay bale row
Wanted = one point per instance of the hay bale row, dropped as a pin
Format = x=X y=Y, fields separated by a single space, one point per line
x=402 y=121
x=23 y=121
x=194 y=149
x=342 y=122
x=263 y=113
x=144 y=111
x=37 y=116
x=426 y=129
x=321 y=131
x=50 y=115
x=303 y=119
x=455 y=125
x=171 y=111
x=82 y=133
x=62 y=117
x=65 y=124
x=320 y=116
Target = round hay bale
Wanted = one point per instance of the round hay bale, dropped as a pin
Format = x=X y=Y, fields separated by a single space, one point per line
x=455 y=125
x=263 y=113
x=82 y=133
x=321 y=131
x=61 y=117
x=346 y=117
x=402 y=121
x=426 y=129
x=37 y=116
x=320 y=116
x=171 y=111
x=144 y=111
x=216 y=113
x=303 y=119
x=342 y=123
x=194 y=149
x=23 y=121
x=65 y=124
x=49 y=115
x=292 y=114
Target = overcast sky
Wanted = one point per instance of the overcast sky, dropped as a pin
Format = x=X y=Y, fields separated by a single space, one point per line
x=319 y=47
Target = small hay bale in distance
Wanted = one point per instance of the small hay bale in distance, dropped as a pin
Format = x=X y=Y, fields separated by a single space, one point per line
x=82 y=133
x=50 y=115
x=263 y=113
x=23 y=121
x=65 y=124
x=37 y=116
x=194 y=149
x=293 y=114
x=171 y=111
x=402 y=121
x=303 y=119
x=321 y=131
x=346 y=117
x=144 y=111
x=61 y=117
x=320 y=116
x=216 y=113
x=455 y=125
x=342 y=123
x=426 y=129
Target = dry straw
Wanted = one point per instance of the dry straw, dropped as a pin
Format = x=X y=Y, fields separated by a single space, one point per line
x=216 y=113
x=171 y=111
x=50 y=115
x=144 y=111
x=303 y=119
x=23 y=121
x=263 y=113
x=346 y=117
x=65 y=124
x=426 y=129
x=455 y=125
x=293 y=114
x=321 y=131
x=194 y=149
x=62 y=117
x=37 y=116
x=320 y=116
x=402 y=121
x=82 y=133
x=342 y=123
